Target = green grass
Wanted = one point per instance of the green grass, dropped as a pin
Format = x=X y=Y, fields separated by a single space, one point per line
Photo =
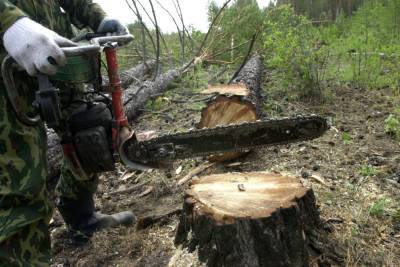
x=367 y=171
x=346 y=137
x=378 y=208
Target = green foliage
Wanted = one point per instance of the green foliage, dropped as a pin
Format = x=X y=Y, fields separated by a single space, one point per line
x=346 y=137
x=392 y=126
x=378 y=208
x=367 y=171
x=396 y=215
x=367 y=45
x=295 y=48
x=361 y=50
x=157 y=104
x=322 y=9
x=234 y=29
x=197 y=78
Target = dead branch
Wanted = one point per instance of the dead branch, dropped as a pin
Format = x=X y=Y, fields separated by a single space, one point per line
x=208 y=34
x=158 y=34
x=196 y=171
x=181 y=41
x=139 y=17
x=152 y=219
x=153 y=21
x=128 y=190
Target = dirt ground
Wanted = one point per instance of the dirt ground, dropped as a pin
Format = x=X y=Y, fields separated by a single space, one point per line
x=353 y=169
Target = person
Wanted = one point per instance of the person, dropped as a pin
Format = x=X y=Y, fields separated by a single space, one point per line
x=33 y=32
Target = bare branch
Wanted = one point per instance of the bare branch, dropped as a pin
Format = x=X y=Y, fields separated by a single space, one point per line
x=157 y=39
x=181 y=41
x=154 y=22
x=208 y=33
x=139 y=17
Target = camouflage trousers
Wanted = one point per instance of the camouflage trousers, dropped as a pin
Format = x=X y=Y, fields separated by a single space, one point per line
x=25 y=210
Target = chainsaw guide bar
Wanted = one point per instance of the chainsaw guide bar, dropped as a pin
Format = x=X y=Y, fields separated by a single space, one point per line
x=221 y=139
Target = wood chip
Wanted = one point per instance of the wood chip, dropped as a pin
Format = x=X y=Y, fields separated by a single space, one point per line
x=128 y=190
x=149 y=220
x=147 y=191
x=236 y=164
x=196 y=171
x=127 y=176
x=318 y=179
x=241 y=187
x=179 y=170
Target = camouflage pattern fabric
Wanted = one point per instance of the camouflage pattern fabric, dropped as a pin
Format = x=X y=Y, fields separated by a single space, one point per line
x=24 y=207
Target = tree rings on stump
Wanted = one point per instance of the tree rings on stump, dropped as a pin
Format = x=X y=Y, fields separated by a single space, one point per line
x=248 y=219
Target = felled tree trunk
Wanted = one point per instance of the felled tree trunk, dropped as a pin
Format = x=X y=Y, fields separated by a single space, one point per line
x=135 y=97
x=235 y=103
x=248 y=219
x=129 y=76
x=54 y=150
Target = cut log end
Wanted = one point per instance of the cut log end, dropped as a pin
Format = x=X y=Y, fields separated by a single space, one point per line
x=225 y=110
x=248 y=219
x=227 y=89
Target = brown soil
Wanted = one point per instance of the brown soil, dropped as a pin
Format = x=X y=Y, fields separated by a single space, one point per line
x=353 y=169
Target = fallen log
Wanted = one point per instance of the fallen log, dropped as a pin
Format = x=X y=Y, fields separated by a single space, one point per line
x=54 y=150
x=247 y=219
x=128 y=77
x=135 y=97
x=237 y=102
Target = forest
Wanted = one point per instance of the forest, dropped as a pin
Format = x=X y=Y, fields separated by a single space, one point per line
x=337 y=197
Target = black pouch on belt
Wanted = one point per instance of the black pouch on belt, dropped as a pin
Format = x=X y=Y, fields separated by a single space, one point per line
x=90 y=128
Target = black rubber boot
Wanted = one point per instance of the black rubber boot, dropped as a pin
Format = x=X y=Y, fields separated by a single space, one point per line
x=80 y=216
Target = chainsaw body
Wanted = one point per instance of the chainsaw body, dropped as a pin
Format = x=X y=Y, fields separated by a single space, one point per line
x=92 y=138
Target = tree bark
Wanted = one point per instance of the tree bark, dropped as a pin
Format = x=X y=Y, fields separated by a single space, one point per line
x=237 y=102
x=247 y=219
x=129 y=76
x=54 y=150
x=135 y=97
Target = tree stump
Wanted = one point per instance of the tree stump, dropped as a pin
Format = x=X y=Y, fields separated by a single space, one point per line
x=248 y=219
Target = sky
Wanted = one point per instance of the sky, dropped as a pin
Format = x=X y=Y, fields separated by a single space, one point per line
x=194 y=12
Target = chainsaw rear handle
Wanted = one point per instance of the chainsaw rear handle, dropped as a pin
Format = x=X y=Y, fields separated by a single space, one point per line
x=7 y=71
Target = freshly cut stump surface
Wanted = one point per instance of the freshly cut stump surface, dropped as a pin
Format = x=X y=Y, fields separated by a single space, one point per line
x=248 y=219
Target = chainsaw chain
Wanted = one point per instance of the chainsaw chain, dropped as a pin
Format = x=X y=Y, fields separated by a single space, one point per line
x=143 y=149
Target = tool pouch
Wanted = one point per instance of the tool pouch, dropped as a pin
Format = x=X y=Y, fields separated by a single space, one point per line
x=89 y=131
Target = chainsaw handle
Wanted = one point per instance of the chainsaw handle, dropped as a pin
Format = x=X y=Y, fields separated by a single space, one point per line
x=98 y=41
x=81 y=50
x=119 y=39
x=101 y=39
x=7 y=68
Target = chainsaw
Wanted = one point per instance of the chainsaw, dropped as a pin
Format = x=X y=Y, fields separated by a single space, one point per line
x=98 y=134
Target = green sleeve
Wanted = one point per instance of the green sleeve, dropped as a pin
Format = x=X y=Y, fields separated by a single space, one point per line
x=83 y=13
x=8 y=15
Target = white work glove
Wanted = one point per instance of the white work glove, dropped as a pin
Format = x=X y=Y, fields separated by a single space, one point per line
x=34 y=47
x=110 y=26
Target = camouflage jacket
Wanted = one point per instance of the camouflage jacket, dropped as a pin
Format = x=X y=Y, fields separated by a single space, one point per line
x=57 y=15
